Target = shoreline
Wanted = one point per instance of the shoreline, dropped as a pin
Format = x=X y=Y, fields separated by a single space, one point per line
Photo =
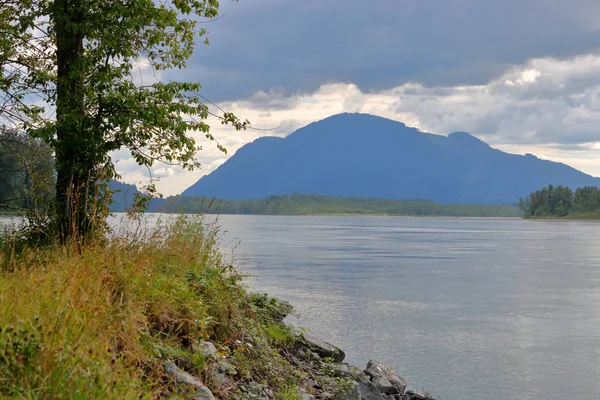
x=432 y=216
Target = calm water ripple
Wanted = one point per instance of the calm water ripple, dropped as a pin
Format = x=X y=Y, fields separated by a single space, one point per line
x=470 y=308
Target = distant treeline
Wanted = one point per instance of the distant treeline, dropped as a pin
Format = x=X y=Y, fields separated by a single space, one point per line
x=300 y=204
x=562 y=202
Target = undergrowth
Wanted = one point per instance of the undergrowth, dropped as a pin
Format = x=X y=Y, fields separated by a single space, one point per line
x=99 y=321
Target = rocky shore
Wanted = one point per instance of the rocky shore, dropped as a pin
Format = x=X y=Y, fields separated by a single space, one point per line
x=328 y=376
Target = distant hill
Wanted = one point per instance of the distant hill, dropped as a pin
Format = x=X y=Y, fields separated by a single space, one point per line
x=305 y=204
x=124 y=196
x=361 y=155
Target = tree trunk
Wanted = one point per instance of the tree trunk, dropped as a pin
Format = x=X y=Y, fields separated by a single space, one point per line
x=71 y=166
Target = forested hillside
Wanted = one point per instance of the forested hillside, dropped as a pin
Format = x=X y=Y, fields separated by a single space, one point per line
x=300 y=204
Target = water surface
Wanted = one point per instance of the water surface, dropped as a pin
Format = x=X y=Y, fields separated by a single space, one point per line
x=471 y=308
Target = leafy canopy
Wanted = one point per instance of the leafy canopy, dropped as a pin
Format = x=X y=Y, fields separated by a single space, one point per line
x=119 y=38
x=75 y=74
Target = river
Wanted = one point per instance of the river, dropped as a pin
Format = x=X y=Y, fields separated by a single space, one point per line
x=467 y=308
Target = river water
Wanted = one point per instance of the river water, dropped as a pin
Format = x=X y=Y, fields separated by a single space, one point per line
x=470 y=308
x=467 y=308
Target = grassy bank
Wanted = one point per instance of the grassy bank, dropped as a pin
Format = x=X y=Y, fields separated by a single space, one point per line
x=100 y=321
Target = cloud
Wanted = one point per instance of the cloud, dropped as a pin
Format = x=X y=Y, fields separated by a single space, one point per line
x=545 y=106
x=297 y=46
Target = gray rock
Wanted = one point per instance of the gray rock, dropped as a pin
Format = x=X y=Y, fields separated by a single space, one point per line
x=353 y=393
x=285 y=308
x=325 y=395
x=203 y=393
x=363 y=389
x=384 y=385
x=345 y=370
x=207 y=349
x=256 y=391
x=368 y=391
x=410 y=395
x=226 y=368
x=362 y=377
x=306 y=396
x=324 y=349
x=376 y=369
x=220 y=379
x=203 y=396
x=184 y=363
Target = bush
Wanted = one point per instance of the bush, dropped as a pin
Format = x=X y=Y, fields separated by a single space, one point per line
x=99 y=320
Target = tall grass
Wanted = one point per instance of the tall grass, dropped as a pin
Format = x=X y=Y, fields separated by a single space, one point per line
x=98 y=321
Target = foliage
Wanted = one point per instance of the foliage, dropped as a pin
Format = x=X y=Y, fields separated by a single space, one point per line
x=80 y=61
x=299 y=204
x=26 y=172
x=560 y=201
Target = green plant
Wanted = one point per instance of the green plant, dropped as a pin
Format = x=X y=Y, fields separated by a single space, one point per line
x=280 y=333
x=19 y=348
x=106 y=315
x=289 y=392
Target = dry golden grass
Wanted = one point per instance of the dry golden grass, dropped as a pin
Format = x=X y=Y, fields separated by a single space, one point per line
x=97 y=321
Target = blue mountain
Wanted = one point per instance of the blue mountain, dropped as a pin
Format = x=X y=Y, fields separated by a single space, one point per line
x=124 y=196
x=361 y=155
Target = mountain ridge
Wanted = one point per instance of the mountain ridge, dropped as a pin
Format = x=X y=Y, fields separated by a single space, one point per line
x=361 y=155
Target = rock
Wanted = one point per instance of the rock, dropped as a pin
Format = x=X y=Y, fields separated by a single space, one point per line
x=220 y=379
x=344 y=370
x=376 y=369
x=325 y=395
x=207 y=349
x=203 y=396
x=363 y=389
x=256 y=391
x=203 y=393
x=368 y=391
x=226 y=368
x=353 y=393
x=184 y=363
x=324 y=349
x=284 y=309
x=306 y=396
x=384 y=385
x=362 y=377
x=410 y=395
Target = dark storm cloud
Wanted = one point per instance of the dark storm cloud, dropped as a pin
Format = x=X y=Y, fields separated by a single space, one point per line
x=295 y=46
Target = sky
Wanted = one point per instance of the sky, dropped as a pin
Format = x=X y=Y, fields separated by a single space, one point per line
x=522 y=75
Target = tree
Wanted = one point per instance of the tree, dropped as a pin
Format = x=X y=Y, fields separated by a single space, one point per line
x=26 y=172
x=77 y=59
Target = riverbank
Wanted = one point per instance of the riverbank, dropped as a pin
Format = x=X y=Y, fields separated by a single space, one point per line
x=571 y=217
x=156 y=318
